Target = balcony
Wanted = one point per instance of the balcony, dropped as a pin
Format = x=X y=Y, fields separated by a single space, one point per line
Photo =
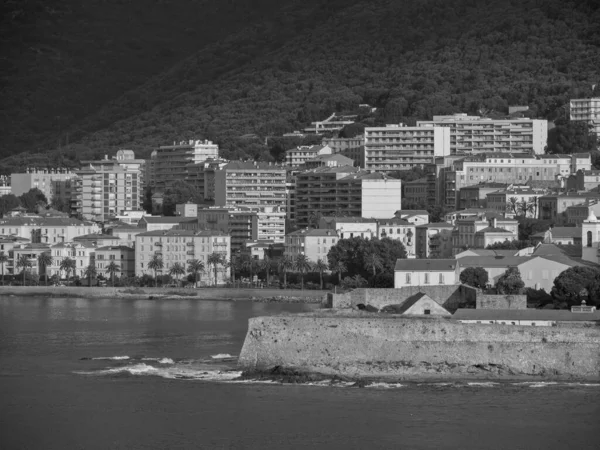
x=158 y=244
x=190 y=252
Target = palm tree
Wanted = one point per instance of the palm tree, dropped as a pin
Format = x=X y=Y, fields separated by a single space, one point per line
x=249 y=264
x=372 y=262
x=68 y=265
x=90 y=272
x=214 y=259
x=24 y=263
x=321 y=266
x=177 y=270
x=3 y=260
x=284 y=265
x=302 y=265
x=513 y=205
x=195 y=266
x=266 y=265
x=156 y=264
x=111 y=269
x=234 y=265
x=45 y=260
x=338 y=267
x=532 y=206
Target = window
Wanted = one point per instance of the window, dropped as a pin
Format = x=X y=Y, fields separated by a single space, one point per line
x=441 y=278
x=427 y=311
x=426 y=278
x=408 y=281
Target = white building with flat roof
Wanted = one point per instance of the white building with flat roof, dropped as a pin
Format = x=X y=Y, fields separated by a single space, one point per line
x=586 y=110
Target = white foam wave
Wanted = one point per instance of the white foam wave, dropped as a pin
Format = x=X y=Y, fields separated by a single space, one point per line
x=483 y=384
x=223 y=356
x=537 y=384
x=175 y=372
x=385 y=385
x=111 y=358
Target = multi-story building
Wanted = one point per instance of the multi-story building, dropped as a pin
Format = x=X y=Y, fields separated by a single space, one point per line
x=583 y=180
x=579 y=213
x=474 y=134
x=241 y=224
x=299 y=155
x=157 y=223
x=327 y=161
x=121 y=255
x=46 y=230
x=54 y=183
x=182 y=246
x=83 y=253
x=126 y=234
x=399 y=230
x=516 y=201
x=107 y=188
x=31 y=252
x=5 y=185
x=330 y=125
x=188 y=209
x=476 y=196
x=415 y=216
x=170 y=162
x=552 y=206
x=479 y=232
x=588 y=111
x=397 y=147
x=345 y=191
x=340 y=145
x=312 y=243
x=349 y=227
x=435 y=272
x=434 y=240
x=415 y=192
x=290 y=204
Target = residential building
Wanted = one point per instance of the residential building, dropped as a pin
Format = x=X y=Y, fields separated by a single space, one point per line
x=474 y=134
x=586 y=110
x=7 y=246
x=577 y=214
x=5 y=187
x=182 y=246
x=290 y=204
x=327 y=161
x=559 y=236
x=330 y=125
x=241 y=224
x=415 y=192
x=590 y=238
x=434 y=240
x=583 y=180
x=157 y=223
x=416 y=216
x=313 y=243
x=452 y=216
x=126 y=234
x=121 y=255
x=423 y=272
x=516 y=201
x=188 y=209
x=31 y=252
x=299 y=155
x=98 y=239
x=476 y=196
x=83 y=253
x=256 y=249
x=345 y=191
x=399 y=230
x=479 y=232
x=552 y=206
x=46 y=230
x=54 y=183
x=171 y=161
x=340 y=145
x=397 y=147
x=349 y=227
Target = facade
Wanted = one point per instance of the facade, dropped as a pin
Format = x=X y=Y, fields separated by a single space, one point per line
x=397 y=147
x=126 y=234
x=516 y=201
x=479 y=232
x=313 y=243
x=186 y=210
x=577 y=214
x=476 y=196
x=31 y=252
x=586 y=110
x=554 y=206
x=559 y=236
x=121 y=255
x=82 y=253
x=299 y=155
x=54 y=183
x=434 y=240
x=327 y=161
x=46 y=230
x=345 y=191
x=239 y=223
x=170 y=162
x=182 y=246
x=157 y=223
x=341 y=145
x=415 y=192
x=416 y=216
x=583 y=180
x=590 y=238
x=474 y=134
x=424 y=272
x=349 y=227
x=399 y=230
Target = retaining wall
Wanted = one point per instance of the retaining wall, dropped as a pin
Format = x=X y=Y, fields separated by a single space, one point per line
x=501 y=301
x=362 y=346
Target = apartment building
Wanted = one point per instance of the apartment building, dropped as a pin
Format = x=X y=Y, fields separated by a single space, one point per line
x=516 y=201
x=239 y=223
x=107 y=188
x=290 y=195
x=586 y=110
x=340 y=145
x=579 y=213
x=345 y=191
x=54 y=183
x=170 y=162
x=158 y=223
x=83 y=253
x=399 y=230
x=476 y=196
x=327 y=161
x=474 y=134
x=125 y=234
x=31 y=252
x=182 y=246
x=554 y=206
x=332 y=124
x=349 y=227
x=583 y=180
x=425 y=272
x=121 y=255
x=479 y=232
x=415 y=192
x=299 y=155
x=398 y=147
x=46 y=230
x=313 y=243
x=434 y=240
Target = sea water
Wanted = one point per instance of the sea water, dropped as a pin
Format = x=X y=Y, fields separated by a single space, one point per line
x=145 y=374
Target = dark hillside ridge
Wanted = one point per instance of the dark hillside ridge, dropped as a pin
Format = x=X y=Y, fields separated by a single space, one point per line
x=411 y=59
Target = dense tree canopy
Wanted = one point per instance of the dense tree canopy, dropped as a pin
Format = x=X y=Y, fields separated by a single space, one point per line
x=510 y=282
x=571 y=137
x=576 y=284
x=474 y=276
x=180 y=192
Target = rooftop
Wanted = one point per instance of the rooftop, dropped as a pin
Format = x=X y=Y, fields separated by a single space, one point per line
x=426 y=264
x=168 y=219
x=109 y=248
x=561 y=232
x=313 y=232
x=168 y=233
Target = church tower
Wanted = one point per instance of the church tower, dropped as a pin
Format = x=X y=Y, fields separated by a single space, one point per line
x=590 y=238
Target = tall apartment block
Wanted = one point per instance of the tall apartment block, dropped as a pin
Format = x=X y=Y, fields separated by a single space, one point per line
x=397 y=147
x=345 y=191
x=239 y=223
x=474 y=134
x=170 y=162
x=107 y=188
x=587 y=110
x=54 y=183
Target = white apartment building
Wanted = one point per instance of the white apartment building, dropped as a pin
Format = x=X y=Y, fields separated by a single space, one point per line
x=82 y=253
x=299 y=155
x=182 y=246
x=46 y=230
x=339 y=145
x=121 y=255
x=474 y=134
x=397 y=147
x=54 y=183
x=170 y=162
x=314 y=243
x=586 y=110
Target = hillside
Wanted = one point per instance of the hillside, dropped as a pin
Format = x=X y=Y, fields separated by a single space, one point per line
x=410 y=58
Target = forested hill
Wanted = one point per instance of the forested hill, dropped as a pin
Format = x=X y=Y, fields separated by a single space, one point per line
x=304 y=60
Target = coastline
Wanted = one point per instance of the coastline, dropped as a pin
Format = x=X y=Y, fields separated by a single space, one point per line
x=151 y=293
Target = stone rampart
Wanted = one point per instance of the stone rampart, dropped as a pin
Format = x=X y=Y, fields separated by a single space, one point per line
x=449 y=296
x=501 y=301
x=361 y=345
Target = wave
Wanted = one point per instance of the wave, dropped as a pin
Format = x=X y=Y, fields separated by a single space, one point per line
x=223 y=356
x=109 y=358
x=483 y=384
x=175 y=372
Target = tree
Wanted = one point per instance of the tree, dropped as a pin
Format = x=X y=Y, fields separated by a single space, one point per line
x=156 y=264
x=576 y=284
x=373 y=262
x=285 y=264
x=474 y=276
x=90 y=272
x=302 y=265
x=339 y=267
x=45 y=260
x=67 y=265
x=321 y=266
x=180 y=192
x=8 y=202
x=510 y=282
x=249 y=265
x=571 y=137
x=266 y=265
x=512 y=206
x=177 y=270
x=214 y=259
x=24 y=263
x=3 y=260
x=33 y=199
x=111 y=269
x=195 y=267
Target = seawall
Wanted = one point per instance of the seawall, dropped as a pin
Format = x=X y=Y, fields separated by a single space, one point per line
x=359 y=345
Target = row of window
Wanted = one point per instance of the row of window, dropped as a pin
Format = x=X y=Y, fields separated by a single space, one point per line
x=426 y=279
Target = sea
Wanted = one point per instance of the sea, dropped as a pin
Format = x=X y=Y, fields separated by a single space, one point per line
x=80 y=373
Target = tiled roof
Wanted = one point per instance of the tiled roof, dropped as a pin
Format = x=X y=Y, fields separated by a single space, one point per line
x=314 y=232
x=561 y=232
x=412 y=212
x=96 y=237
x=114 y=247
x=251 y=165
x=493 y=261
x=43 y=221
x=524 y=314
x=488 y=252
x=493 y=230
x=182 y=233
x=168 y=219
x=435 y=225
x=426 y=264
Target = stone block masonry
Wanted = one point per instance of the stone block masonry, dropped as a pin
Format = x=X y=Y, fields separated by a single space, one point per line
x=501 y=301
x=361 y=345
